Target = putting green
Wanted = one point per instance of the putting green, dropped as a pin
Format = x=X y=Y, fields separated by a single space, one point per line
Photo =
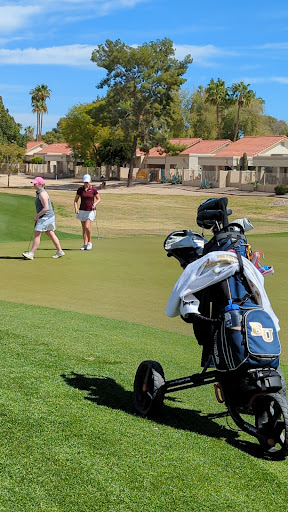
x=126 y=278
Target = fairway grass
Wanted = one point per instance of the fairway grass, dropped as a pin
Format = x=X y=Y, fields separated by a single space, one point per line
x=70 y=441
x=122 y=215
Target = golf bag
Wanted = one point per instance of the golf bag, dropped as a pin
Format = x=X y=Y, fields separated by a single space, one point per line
x=253 y=341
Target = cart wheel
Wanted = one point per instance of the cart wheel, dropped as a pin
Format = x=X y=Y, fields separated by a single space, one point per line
x=149 y=389
x=283 y=390
x=271 y=419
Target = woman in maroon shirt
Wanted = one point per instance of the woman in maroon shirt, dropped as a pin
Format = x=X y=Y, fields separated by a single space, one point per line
x=87 y=212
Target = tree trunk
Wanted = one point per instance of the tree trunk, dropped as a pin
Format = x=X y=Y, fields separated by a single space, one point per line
x=237 y=124
x=218 y=121
x=131 y=167
x=38 y=127
x=108 y=171
x=41 y=124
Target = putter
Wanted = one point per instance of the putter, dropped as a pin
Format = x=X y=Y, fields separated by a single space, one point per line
x=99 y=237
x=29 y=246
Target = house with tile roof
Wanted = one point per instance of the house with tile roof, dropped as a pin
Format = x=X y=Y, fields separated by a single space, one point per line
x=32 y=147
x=267 y=156
x=216 y=160
x=264 y=146
x=156 y=158
x=57 y=158
x=188 y=158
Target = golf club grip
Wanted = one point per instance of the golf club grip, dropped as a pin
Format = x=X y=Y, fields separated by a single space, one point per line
x=192 y=318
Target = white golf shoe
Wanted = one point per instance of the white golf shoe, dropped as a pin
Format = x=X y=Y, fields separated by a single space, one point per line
x=58 y=254
x=28 y=255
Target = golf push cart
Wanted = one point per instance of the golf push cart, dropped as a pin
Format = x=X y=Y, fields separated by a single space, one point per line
x=221 y=293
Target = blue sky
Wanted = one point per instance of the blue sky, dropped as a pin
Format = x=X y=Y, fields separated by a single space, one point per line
x=51 y=42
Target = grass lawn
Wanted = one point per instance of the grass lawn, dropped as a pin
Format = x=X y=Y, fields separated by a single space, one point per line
x=70 y=441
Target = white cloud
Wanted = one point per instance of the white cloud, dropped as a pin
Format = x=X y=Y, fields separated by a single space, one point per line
x=13 y=87
x=279 y=79
x=273 y=46
x=73 y=55
x=14 y=17
x=265 y=79
x=200 y=54
x=80 y=55
x=26 y=15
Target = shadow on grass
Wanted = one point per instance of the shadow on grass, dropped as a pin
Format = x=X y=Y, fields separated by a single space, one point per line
x=106 y=391
x=12 y=258
x=51 y=249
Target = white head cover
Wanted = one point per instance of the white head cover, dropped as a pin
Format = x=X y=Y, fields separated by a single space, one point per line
x=245 y=223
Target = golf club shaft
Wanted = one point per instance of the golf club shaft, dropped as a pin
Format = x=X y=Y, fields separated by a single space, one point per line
x=98 y=228
x=31 y=237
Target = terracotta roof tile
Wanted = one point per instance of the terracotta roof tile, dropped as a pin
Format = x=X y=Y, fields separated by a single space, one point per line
x=157 y=151
x=206 y=147
x=250 y=145
x=188 y=142
x=33 y=144
x=57 y=148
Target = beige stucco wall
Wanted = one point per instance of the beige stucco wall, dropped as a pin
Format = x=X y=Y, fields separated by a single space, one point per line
x=179 y=161
x=279 y=149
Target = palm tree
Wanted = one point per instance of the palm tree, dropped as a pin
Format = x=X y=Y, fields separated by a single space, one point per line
x=39 y=96
x=29 y=132
x=242 y=95
x=217 y=94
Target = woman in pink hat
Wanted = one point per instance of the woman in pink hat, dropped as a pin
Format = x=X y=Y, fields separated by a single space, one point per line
x=44 y=220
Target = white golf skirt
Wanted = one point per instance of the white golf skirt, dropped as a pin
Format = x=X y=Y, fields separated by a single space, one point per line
x=46 y=224
x=82 y=215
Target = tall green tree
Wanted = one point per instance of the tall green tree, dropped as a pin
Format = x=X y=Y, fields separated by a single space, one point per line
x=114 y=150
x=250 y=122
x=10 y=131
x=273 y=126
x=241 y=95
x=39 y=96
x=55 y=135
x=202 y=118
x=10 y=155
x=217 y=94
x=82 y=132
x=29 y=132
x=141 y=82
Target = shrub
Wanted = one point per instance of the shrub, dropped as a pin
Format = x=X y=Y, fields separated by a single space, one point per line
x=36 y=160
x=205 y=184
x=281 y=189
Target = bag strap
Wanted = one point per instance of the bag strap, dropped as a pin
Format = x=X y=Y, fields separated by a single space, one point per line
x=239 y=257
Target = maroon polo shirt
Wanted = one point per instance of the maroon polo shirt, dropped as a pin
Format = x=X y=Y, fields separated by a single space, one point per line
x=87 y=197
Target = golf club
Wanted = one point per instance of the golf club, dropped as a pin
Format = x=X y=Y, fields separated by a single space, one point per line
x=99 y=237
x=28 y=250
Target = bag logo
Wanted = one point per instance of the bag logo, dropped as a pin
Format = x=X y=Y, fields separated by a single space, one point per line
x=258 y=330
